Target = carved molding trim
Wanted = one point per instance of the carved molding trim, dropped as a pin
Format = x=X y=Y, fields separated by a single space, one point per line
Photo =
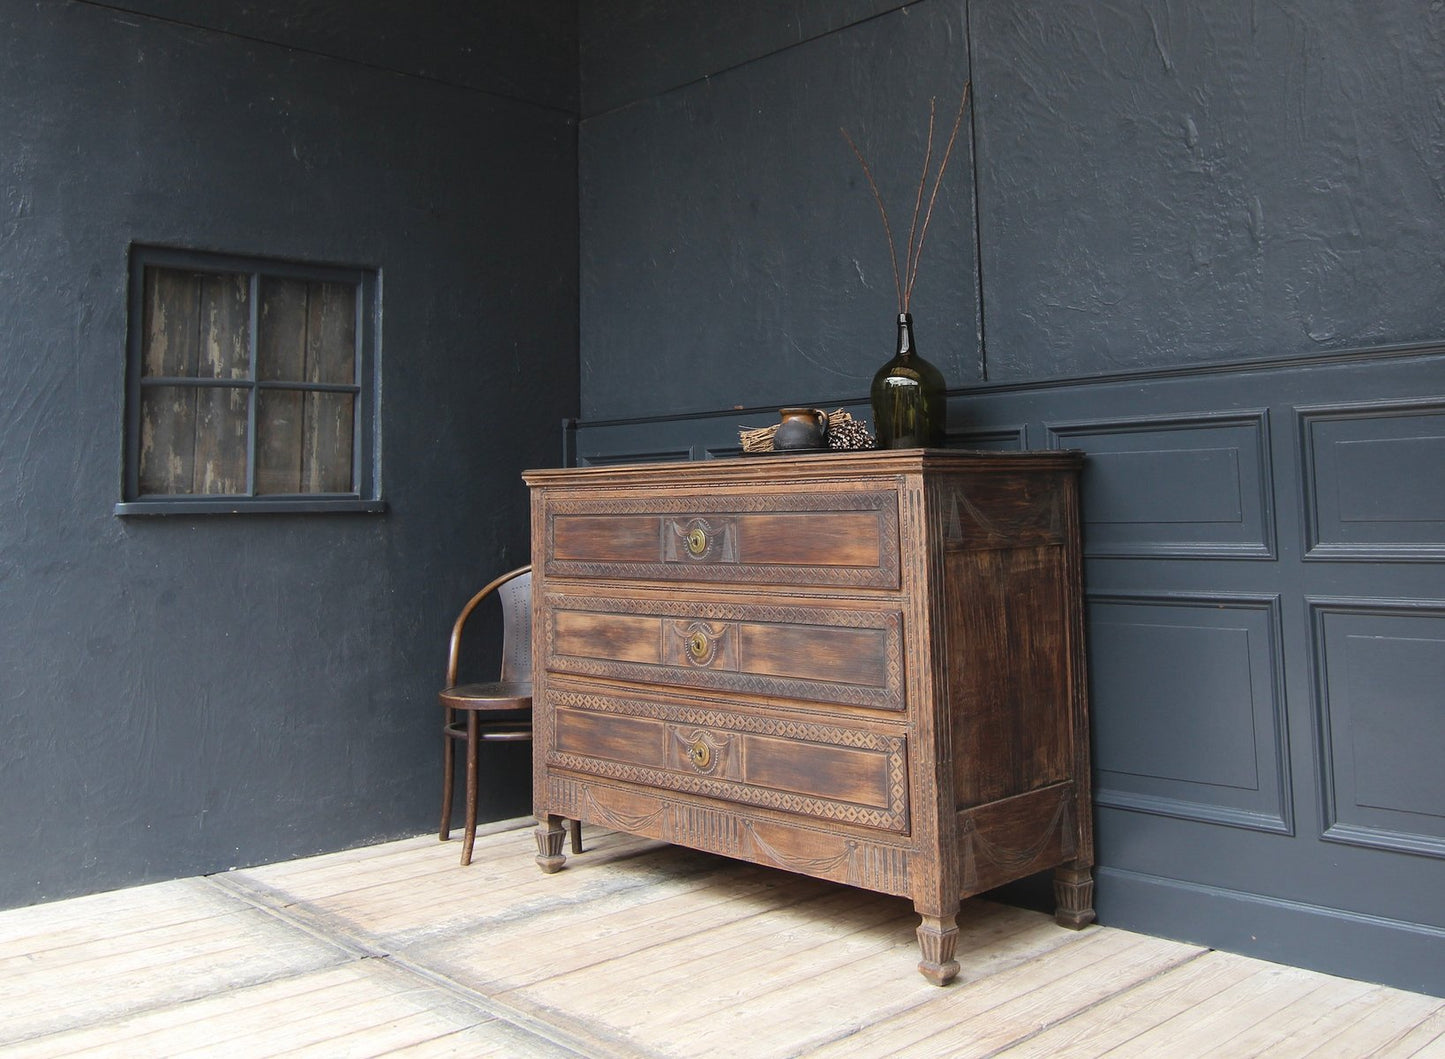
x=862 y=864
x=838 y=617
x=762 y=723
x=978 y=848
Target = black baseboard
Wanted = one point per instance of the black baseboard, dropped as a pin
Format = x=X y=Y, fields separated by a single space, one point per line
x=1369 y=948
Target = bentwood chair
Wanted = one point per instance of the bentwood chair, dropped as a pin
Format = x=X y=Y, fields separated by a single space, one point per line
x=500 y=710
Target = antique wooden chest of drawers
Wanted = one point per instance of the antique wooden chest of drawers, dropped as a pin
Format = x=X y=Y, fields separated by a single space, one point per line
x=866 y=667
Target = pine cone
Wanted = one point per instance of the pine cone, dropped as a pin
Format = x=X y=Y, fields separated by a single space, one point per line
x=850 y=435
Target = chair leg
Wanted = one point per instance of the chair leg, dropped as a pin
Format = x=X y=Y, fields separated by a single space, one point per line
x=575 y=826
x=449 y=754
x=473 y=738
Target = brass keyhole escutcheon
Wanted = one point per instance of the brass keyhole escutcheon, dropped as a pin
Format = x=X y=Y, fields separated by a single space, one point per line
x=700 y=754
x=696 y=541
x=697 y=646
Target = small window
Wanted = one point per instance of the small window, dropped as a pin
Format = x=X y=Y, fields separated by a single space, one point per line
x=250 y=386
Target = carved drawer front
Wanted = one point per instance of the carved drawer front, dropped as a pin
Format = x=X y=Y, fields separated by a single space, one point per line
x=824 y=771
x=817 y=653
x=844 y=538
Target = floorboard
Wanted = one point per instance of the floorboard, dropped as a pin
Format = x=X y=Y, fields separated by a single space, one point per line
x=638 y=950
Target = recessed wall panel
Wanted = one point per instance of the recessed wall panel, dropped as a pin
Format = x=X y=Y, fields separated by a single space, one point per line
x=1381 y=697
x=1187 y=713
x=1189 y=487
x=1375 y=481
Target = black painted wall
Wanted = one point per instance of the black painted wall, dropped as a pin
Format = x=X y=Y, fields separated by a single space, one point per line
x=1183 y=182
x=182 y=695
x=1159 y=183
x=1205 y=243
x=731 y=251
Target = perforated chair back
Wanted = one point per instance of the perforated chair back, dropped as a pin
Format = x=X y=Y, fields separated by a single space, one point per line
x=516 y=597
x=514 y=590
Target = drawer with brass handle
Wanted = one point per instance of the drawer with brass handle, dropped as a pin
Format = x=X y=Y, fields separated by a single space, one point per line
x=842 y=538
x=817 y=653
x=735 y=755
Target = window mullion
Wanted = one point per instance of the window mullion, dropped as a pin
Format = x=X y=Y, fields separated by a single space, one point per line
x=194 y=395
x=308 y=387
x=134 y=370
x=253 y=393
x=358 y=342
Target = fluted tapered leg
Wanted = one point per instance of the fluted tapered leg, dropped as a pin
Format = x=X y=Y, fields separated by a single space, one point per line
x=550 y=835
x=937 y=939
x=1074 y=893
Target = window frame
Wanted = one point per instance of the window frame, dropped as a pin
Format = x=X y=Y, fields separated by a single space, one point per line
x=365 y=498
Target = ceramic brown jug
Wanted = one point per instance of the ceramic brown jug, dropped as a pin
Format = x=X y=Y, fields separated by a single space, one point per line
x=801 y=429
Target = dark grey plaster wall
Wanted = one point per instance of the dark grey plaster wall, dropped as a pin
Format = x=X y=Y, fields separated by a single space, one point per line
x=185 y=694
x=1157 y=184
x=633 y=49
x=525 y=51
x=732 y=252
x=1182 y=182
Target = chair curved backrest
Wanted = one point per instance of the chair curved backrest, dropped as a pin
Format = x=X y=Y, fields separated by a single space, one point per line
x=506 y=703
x=514 y=590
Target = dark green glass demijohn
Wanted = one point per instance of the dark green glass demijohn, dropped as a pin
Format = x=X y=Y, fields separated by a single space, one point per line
x=907 y=397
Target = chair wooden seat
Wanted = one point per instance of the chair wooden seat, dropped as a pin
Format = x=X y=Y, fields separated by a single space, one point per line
x=496 y=695
x=470 y=711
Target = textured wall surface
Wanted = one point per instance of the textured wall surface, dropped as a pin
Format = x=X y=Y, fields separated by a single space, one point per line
x=1181 y=182
x=1169 y=183
x=181 y=695
x=732 y=252
x=633 y=49
x=525 y=51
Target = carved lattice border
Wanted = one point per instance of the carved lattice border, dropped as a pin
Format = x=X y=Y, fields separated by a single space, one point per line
x=894 y=818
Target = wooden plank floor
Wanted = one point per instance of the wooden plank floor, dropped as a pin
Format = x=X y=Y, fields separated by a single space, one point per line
x=636 y=949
